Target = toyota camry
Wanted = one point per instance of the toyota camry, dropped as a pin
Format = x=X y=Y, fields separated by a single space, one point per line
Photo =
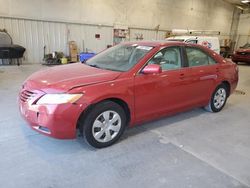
x=123 y=86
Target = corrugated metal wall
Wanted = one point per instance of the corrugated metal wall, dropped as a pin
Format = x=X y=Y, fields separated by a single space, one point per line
x=34 y=35
x=147 y=34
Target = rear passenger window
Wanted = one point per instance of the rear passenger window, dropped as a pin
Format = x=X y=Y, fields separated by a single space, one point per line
x=196 y=57
x=168 y=58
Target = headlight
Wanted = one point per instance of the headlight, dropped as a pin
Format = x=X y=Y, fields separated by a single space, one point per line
x=58 y=98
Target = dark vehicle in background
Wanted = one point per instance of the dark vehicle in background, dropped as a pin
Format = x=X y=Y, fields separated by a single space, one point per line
x=8 y=50
x=242 y=54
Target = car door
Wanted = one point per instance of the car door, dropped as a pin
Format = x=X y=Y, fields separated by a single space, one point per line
x=204 y=72
x=157 y=94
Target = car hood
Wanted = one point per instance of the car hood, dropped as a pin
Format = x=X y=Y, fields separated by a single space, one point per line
x=65 y=77
x=243 y=50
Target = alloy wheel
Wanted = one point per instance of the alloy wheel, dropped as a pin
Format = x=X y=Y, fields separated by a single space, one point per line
x=220 y=98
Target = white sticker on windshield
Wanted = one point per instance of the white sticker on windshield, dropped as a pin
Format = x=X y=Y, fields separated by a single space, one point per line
x=144 y=47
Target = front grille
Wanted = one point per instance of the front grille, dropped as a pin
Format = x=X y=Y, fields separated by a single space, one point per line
x=26 y=95
x=243 y=53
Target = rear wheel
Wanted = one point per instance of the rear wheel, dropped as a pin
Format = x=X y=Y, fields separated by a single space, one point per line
x=104 y=124
x=218 y=99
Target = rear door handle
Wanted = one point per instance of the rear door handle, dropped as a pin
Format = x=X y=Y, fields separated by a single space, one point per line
x=182 y=75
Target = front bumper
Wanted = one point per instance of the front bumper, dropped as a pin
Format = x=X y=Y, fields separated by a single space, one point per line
x=58 y=121
x=240 y=58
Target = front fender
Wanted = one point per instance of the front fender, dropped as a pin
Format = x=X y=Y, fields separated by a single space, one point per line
x=118 y=89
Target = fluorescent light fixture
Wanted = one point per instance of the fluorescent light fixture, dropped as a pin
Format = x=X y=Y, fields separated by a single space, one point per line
x=245 y=1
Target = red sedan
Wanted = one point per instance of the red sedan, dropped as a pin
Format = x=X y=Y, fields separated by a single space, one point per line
x=242 y=54
x=125 y=85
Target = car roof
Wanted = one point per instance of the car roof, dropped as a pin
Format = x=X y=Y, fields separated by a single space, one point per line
x=163 y=43
x=154 y=43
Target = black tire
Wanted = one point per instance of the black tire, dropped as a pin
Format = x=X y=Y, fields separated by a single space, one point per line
x=96 y=112
x=211 y=107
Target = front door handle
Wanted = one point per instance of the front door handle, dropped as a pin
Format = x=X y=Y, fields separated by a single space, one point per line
x=164 y=76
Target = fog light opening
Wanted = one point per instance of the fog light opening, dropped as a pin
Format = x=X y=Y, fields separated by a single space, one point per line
x=44 y=129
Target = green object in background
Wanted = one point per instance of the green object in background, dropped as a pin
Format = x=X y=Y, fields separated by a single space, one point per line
x=54 y=58
x=64 y=60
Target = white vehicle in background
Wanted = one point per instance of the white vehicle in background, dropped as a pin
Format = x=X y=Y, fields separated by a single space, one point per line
x=210 y=42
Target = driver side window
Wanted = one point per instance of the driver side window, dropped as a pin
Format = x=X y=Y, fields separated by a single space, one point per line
x=168 y=58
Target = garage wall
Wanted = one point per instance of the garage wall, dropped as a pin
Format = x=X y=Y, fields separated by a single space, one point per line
x=192 y=14
x=243 y=30
x=35 y=23
x=34 y=35
x=147 y=34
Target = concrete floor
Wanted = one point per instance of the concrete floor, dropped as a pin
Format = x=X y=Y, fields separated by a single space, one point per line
x=191 y=149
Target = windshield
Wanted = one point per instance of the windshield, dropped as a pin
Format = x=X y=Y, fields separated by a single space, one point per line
x=247 y=45
x=119 y=58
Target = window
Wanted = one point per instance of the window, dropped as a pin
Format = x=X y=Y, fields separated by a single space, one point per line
x=119 y=58
x=211 y=61
x=168 y=58
x=196 y=57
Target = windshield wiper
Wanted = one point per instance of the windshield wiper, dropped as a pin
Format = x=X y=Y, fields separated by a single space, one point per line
x=106 y=68
x=93 y=65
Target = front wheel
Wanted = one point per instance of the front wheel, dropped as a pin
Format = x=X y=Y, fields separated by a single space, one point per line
x=104 y=124
x=218 y=99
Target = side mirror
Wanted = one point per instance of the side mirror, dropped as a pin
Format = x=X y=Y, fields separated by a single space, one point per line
x=152 y=69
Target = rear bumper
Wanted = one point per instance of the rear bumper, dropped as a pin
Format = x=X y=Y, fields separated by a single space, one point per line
x=233 y=86
x=57 y=121
x=234 y=80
